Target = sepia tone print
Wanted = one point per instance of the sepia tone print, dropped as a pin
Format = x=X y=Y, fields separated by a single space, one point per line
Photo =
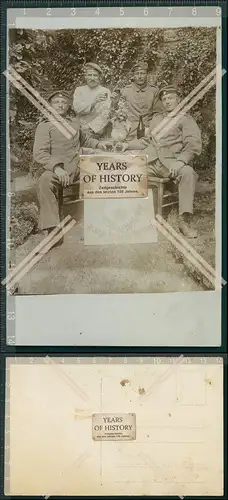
x=80 y=94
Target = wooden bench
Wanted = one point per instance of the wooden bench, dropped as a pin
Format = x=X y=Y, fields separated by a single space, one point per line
x=164 y=190
x=67 y=196
x=70 y=194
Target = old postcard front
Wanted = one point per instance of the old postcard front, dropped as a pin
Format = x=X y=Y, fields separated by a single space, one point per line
x=114 y=176
x=151 y=426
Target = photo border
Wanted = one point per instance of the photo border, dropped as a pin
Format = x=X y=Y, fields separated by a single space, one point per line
x=3 y=411
x=9 y=351
x=14 y=348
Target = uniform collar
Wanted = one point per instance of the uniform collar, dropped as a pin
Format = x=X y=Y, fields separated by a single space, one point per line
x=140 y=89
x=70 y=117
x=93 y=89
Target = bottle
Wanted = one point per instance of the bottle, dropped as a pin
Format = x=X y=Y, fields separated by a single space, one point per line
x=140 y=128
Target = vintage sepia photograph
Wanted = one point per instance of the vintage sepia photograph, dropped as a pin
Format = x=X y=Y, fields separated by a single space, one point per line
x=139 y=429
x=118 y=96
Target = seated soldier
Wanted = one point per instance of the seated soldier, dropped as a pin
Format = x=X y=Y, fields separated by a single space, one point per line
x=92 y=102
x=59 y=157
x=171 y=154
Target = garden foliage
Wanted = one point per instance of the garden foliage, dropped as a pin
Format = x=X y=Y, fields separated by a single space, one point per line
x=50 y=60
x=24 y=221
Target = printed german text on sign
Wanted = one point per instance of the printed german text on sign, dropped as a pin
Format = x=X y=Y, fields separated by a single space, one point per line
x=113 y=176
x=114 y=426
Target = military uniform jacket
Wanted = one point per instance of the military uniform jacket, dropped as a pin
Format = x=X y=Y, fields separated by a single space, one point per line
x=141 y=101
x=181 y=142
x=51 y=147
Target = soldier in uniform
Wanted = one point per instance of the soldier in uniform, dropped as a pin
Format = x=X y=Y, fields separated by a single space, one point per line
x=92 y=102
x=59 y=157
x=141 y=98
x=171 y=154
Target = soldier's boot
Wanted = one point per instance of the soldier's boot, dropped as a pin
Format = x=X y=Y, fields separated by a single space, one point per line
x=185 y=226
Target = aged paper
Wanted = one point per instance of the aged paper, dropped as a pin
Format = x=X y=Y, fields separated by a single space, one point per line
x=178 y=407
x=136 y=276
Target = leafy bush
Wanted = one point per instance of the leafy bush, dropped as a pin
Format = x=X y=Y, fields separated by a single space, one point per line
x=186 y=65
x=52 y=59
x=24 y=221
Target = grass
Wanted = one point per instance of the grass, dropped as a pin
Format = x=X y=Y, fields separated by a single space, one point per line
x=204 y=222
x=25 y=218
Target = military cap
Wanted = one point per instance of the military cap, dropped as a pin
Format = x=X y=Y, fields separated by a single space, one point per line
x=169 y=89
x=59 y=93
x=93 y=66
x=140 y=65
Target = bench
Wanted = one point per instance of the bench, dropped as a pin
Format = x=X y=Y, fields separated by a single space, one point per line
x=70 y=194
x=67 y=196
x=164 y=190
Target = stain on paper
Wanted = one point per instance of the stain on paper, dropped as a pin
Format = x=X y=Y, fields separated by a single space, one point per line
x=82 y=414
x=124 y=382
x=208 y=381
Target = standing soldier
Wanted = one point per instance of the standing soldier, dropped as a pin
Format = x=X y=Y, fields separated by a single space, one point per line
x=92 y=102
x=141 y=98
x=59 y=156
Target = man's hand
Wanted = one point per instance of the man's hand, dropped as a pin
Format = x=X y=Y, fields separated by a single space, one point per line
x=101 y=97
x=102 y=146
x=145 y=141
x=115 y=95
x=125 y=146
x=63 y=176
x=174 y=170
x=138 y=144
